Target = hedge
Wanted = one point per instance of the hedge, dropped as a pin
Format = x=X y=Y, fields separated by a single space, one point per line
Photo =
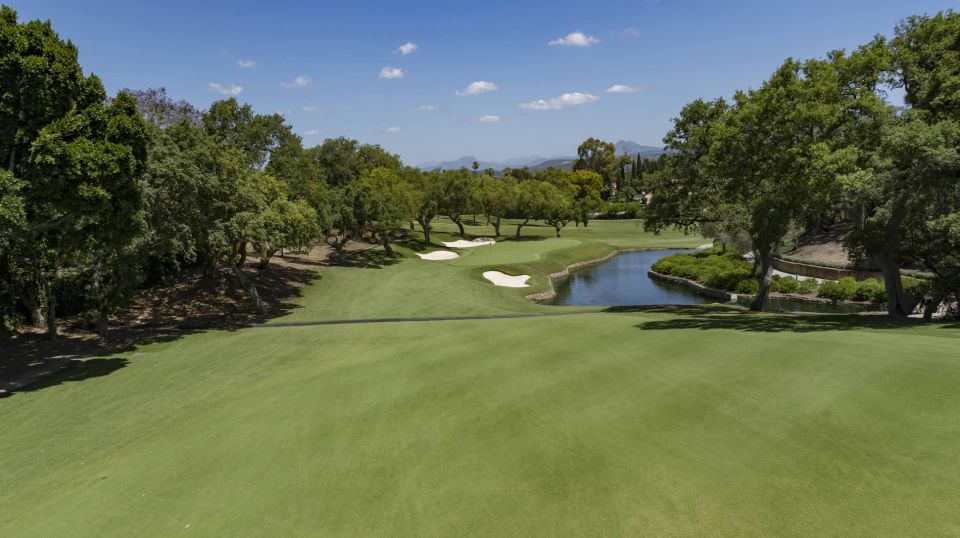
x=708 y=267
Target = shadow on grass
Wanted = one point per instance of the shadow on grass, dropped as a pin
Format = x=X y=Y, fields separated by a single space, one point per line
x=716 y=317
x=371 y=259
x=80 y=371
x=415 y=244
x=30 y=361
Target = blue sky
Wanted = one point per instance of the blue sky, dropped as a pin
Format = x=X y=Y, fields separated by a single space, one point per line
x=669 y=51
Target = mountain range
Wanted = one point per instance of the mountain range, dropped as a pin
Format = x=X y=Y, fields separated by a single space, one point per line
x=539 y=162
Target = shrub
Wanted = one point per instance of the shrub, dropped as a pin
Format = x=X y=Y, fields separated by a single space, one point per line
x=748 y=286
x=808 y=286
x=787 y=284
x=832 y=290
x=870 y=289
x=707 y=267
x=849 y=289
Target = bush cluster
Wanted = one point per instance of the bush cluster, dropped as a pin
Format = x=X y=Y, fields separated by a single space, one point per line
x=620 y=210
x=708 y=267
x=849 y=289
x=784 y=284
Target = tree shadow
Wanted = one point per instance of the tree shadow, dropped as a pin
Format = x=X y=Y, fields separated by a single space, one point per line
x=714 y=317
x=30 y=361
x=415 y=244
x=370 y=259
x=79 y=370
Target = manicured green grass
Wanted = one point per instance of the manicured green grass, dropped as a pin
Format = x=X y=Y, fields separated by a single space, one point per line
x=671 y=421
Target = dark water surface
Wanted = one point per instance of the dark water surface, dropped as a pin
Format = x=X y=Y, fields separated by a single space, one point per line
x=623 y=281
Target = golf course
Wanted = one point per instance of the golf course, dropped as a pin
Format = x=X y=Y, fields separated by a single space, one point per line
x=352 y=415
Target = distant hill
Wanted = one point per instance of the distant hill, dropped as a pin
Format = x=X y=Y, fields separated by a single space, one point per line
x=631 y=148
x=537 y=162
x=462 y=162
x=565 y=163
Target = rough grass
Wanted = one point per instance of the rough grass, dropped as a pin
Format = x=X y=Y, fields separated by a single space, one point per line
x=661 y=421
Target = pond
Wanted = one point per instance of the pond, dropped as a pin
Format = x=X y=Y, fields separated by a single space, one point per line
x=623 y=281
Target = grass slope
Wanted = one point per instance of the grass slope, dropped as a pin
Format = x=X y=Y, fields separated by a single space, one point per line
x=667 y=421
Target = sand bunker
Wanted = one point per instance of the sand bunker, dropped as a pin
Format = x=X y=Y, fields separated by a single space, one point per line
x=463 y=243
x=439 y=255
x=507 y=281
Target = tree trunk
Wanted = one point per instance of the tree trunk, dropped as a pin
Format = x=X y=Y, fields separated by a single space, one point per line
x=586 y=223
x=933 y=305
x=51 y=310
x=385 y=240
x=496 y=227
x=209 y=266
x=898 y=303
x=723 y=247
x=425 y=224
x=251 y=289
x=103 y=326
x=242 y=254
x=557 y=227
x=13 y=158
x=459 y=225
x=103 y=303
x=520 y=226
x=760 y=301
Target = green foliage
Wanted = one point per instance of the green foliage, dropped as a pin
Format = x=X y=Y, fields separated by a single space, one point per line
x=870 y=290
x=621 y=210
x=749 y=286
x=599 y=157
x=708 y=267
x=849 y=289
x=807 y=286
x=781 y=284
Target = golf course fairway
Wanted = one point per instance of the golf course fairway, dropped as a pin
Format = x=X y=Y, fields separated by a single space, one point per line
x=658 y=421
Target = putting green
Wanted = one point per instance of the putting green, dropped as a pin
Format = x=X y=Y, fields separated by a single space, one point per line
x=666 y=422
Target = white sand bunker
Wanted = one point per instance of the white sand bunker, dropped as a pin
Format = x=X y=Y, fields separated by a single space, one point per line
x=439 y=255
x=463 y=243
x=505 y=280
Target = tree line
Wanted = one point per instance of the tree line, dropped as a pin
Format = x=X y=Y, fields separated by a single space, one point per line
x=820 y=142
x=102 y=196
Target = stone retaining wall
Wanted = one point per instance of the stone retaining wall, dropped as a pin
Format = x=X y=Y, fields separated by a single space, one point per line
x=821 y=272
x=714 y=293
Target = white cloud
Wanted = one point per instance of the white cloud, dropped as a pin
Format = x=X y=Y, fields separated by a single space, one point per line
x=246 y=64
x=489 y=118
x=575 y=39
x=312 y=132
x=563 y=101
x=406 y=48
x=300 y=82
x=426 y=108
x=622 y=88
x=479 y=86
x=392 y=72
x=630 y=32
x=311 y=109
x=392 y=130
x=232 y=89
